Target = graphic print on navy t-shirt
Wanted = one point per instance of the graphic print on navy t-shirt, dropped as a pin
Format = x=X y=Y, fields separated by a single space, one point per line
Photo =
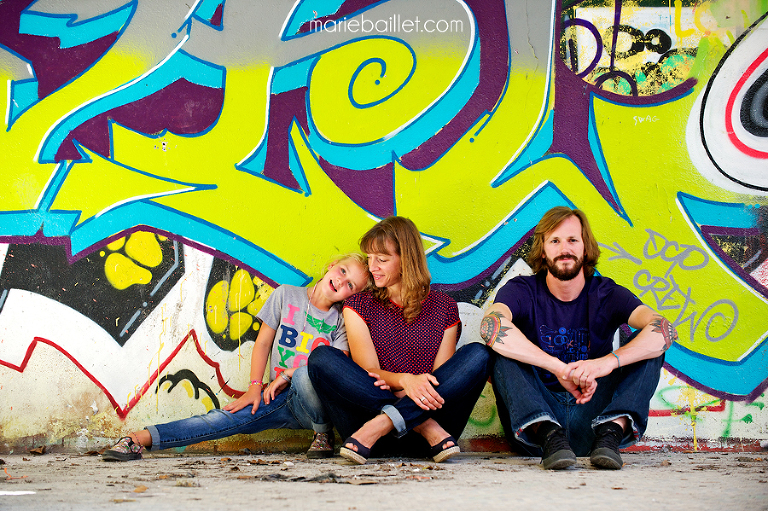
x=566 y=344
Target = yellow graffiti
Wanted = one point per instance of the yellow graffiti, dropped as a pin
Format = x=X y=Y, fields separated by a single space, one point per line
x=695 y=401
x=216 y=307
x=143 y=248
x=679 y=32
x=239 y=323
x=117 y=244
x=187 y=385
x=456 y=187
x=122 y=273
x=262 y=293
x=241 y=291
x=657 y=210
x=234 y=304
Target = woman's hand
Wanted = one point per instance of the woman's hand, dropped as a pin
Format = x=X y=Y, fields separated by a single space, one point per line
x=421 y=389
x=274 y=388
x=252 y=396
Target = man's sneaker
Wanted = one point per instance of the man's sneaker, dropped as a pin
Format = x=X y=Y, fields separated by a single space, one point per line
x=124 y=450
x=557 y=451
x=605 y=449
x=322 y=446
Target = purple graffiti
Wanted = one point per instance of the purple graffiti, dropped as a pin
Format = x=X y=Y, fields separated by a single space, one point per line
x=283 y=109
x=53 y=66
x=182 y=108
x=494 y=68
x=573 y=97
x=372 y=189
x=216 y=19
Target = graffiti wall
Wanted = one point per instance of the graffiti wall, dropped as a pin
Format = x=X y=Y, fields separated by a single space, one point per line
x=165 y=165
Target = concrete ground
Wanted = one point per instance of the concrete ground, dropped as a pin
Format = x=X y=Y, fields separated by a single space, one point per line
x=470 y=481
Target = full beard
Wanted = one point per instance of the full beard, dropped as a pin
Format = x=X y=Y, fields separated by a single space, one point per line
x=564 y=274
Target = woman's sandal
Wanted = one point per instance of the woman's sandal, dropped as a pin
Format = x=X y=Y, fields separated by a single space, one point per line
x=360 y=456
x=440 y=454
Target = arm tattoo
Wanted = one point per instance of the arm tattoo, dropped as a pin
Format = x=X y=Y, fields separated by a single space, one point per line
x=491 y=329
x=662 y=326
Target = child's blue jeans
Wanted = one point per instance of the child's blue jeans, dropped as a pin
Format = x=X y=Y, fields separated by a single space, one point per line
x=297 y=407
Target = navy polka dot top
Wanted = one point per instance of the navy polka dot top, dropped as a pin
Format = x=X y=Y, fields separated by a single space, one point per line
x=407 y=347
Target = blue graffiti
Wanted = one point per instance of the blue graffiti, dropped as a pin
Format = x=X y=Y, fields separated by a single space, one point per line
x=72 y=32
x=743 y=378
x=514 y=228
x=24 y=94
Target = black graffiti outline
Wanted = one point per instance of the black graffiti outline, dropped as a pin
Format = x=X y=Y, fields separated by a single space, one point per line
x=705 y=97
x=191 y=377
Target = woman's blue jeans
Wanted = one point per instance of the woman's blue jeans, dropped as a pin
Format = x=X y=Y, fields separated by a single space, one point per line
x=523 y=400
x=351 y=399
x=297 y=407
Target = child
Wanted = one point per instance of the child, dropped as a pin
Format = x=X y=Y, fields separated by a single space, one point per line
x=302 y=318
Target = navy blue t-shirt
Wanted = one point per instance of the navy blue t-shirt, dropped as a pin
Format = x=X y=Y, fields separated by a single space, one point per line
x=577 y=330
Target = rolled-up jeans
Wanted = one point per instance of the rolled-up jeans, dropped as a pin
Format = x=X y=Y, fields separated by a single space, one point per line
x=522 y=400
x=351 y=398
x=297 y=407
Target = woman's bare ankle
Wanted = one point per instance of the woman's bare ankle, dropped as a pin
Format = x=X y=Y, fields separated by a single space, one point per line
x=374 y=429
x=431 y=431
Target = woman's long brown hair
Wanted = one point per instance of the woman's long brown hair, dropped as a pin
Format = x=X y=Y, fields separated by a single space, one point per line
x=414 y=274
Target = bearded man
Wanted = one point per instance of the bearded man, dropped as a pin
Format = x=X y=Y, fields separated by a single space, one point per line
x=561 y=388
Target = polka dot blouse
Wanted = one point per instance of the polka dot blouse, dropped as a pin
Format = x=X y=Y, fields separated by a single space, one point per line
x=406 y=347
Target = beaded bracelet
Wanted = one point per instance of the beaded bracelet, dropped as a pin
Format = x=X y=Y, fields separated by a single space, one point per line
x=257 y=382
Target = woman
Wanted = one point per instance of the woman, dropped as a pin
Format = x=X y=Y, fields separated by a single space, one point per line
x=405 y=373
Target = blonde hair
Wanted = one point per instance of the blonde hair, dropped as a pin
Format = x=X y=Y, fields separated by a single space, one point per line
x=402 y=233
x=356 y=257
x=548 y=223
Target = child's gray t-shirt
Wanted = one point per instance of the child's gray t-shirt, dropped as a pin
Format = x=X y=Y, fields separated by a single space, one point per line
x=299 y=330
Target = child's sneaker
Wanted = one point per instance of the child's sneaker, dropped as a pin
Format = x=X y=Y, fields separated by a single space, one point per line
x=124 y=450
x=322 y=446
